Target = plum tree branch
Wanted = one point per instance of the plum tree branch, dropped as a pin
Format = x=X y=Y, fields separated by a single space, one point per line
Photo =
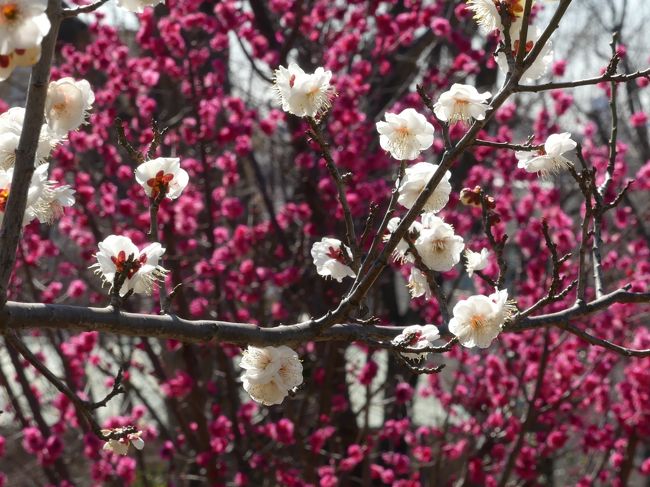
x=22 y=316
x=12 y=222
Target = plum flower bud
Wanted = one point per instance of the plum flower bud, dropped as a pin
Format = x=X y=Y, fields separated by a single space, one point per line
x=418 y=284
x=140 y=269
x=270 y=373
x=67 y=104
x=331 y=259
x=163 y=175
x=549 y=160
x=405 y=135
x=23 y=24
x=303 y=94
x=415 y=179
x=437 y=244
x=476 y=261
x=137 y=6
x=479 y=319
x=121 y=446
x=11 y=126
x=472 y=197
x=461 y=104
x=416 y=336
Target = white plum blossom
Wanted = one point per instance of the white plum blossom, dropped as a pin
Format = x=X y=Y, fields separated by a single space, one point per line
x=416 y=336
x=418 y=284
x=11 y=126
x=119 y=254
x=486 y=12
x=330 y=260
x=23 y=24
x=540 y=66
x=121 y=446
x=138 y=6
x=549 y=160
x=303 y=94
x=461 y=104
x=270 y=373
x=67 y=104
x=36 y=188
x=53 y=200
x=476 y=261
x=415 y=179
x=437 y=244
x=478 y=320
x=45 y=200
x=405 y=135
x=162 y=175
x=401 y=254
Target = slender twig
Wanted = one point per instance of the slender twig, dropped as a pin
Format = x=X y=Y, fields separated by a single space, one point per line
x=528 y=146
x=81 y=406
x=531 y=413
x=601 y=342
x=350 y=236
x=615 y=78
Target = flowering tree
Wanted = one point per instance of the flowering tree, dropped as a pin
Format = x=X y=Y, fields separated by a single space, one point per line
x=320 y=243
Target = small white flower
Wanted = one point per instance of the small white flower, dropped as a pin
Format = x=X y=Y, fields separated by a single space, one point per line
x=50 y=206
x=543 y=59
x=330 y=260
x=162 y=174
x=550 y=160
x=479 y=319
x=23 y=24
x=34 y=194
x=270 y=373
x=138 y=6
x=415 y=179
x=400 y=254
x=11 y=126
x=416 y=336
x=476 y=261
x=461 y=103
x=121 y=446
x=418 y=284
x=405 y=135
x=67 y=104
x=303 y=94
x=437 y=244
x=114 y=254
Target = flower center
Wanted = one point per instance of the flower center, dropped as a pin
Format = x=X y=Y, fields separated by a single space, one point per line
x=125 y=264
x=477 y=322
x=292 y=80
x=336 y=254
x=4 y=195
x=438 y=245
x=159 y=183
x=10 y=12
